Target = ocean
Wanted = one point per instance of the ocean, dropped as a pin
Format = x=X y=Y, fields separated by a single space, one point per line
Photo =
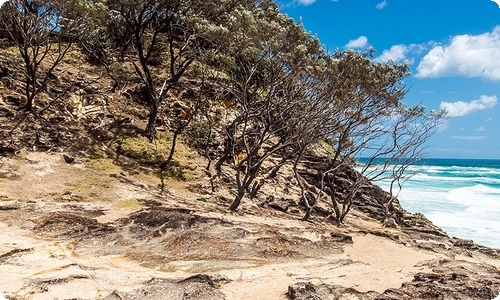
x=462 y=196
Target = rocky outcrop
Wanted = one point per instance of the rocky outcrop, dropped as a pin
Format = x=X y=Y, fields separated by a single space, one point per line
x=195 y=287
x=448 y=279
x=308 y=291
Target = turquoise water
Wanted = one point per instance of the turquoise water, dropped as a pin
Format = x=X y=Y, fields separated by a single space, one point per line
x=462 y=196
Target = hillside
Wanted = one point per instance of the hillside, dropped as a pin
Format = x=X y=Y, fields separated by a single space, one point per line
x=83 y=214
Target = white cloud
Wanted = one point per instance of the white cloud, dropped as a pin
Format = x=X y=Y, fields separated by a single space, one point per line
x=396 y=53
x=381 y=4
x=468 y=137
x=482 y=128
x=302 y=2
x=461 y=108
x=497 y=2
x=357 y=43
x=399 y=53
x=465 y=55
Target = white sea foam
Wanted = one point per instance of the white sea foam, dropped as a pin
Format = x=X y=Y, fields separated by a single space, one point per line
x=463 y=200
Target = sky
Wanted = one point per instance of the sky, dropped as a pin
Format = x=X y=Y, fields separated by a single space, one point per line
x=453 y=48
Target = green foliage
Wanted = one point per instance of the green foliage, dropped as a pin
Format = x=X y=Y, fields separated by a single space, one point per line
x=129 y=203
x=144 y=152
x=105 y=165
x=198 y=136
x=99 y=43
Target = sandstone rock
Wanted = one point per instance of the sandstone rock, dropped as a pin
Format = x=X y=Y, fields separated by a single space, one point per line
x=308 y=291
x=450 y=279
x=341 y=237
x=9 y=205
x=281 y=204
x=195 y=287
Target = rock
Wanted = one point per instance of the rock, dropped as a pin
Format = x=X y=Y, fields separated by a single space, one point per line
x=470 y=245
x=68 y=159
x=302 y=290
x=5 y=112
x=6 y=151
x=308 y=291
x=67 y=195
x=450 y=279
x=341 y=237
x=195 y=287
x=212 y=280
x=463 y=243
x=158 y=216
x=47 y=139
x=391 y=223
x=281 y=204
x=15 y=99
x=70 y=224
x=9 y=205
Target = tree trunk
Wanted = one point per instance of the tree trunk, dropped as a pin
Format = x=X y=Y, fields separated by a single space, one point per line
x=167 y=162
x=151 y=127
x=237 y=200
x=256 y=188
x=308 y=214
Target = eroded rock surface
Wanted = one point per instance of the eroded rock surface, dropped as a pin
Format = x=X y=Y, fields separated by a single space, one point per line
x=114 y=237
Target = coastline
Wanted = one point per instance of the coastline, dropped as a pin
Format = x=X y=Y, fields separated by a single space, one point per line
x=62 y=243
x=459 y=195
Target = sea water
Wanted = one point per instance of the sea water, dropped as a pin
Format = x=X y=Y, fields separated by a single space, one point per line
x=462 y=196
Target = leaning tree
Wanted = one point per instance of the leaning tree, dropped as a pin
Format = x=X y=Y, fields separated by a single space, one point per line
x=43 y=32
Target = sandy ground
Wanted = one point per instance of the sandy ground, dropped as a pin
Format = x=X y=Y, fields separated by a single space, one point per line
x=57 y=265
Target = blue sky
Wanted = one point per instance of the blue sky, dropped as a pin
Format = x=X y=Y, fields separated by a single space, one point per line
x=453 y=48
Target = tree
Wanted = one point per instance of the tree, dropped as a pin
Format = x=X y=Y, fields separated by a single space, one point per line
x=269 y=59
x=365 y=100
x=43 y=34
x=178 y=31
x=402 y=145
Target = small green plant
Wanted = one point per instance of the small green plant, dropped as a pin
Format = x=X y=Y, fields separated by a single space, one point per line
x=129 y=203
x=99 y=44
x=101 y=164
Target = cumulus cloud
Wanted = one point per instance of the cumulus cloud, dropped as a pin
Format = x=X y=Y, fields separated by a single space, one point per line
x=465 y=55
x=461 y=108
x=302 y=2
x=482 y=128
x=468 y=137
x=399 y=53
x=381 y=4
x=357 y=43
x=395 y=53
